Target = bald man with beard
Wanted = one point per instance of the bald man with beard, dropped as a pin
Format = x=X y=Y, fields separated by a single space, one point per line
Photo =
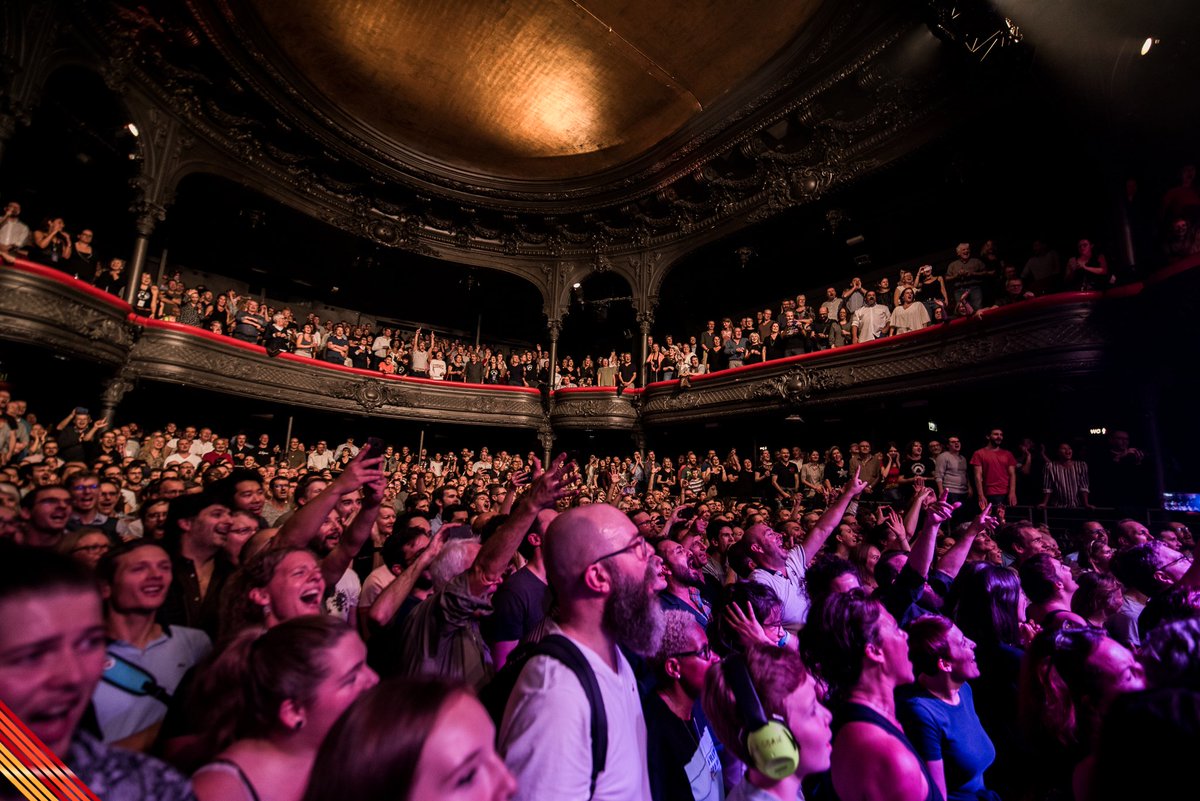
x=605 y=577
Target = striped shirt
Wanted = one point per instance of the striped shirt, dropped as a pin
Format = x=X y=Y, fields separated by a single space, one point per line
x=1067 y=483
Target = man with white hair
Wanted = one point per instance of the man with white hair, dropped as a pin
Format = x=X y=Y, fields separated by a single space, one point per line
x=605 y=577
x=442 y=635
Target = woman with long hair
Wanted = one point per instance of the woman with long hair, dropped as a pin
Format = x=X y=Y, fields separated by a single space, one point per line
x=410 y=740
x=988 y=605
x=273 y=586
x=220 y=314
x=295 y=681
x=861 y=653
x=306 y=343
x=1068 y=680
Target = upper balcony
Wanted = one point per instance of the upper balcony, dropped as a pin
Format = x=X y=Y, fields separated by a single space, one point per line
x=1062 y=335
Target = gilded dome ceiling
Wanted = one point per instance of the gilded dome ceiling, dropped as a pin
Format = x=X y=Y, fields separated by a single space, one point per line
x=526 y=89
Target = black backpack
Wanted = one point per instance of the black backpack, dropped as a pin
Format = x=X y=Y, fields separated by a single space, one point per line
x=495 y=695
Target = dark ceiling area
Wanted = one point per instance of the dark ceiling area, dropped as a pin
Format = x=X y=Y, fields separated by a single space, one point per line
x=221 y=227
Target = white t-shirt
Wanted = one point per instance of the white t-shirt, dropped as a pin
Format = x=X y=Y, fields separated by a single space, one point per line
x=546 y=739
x=344 y=600
x=176 y=458
x=789 y=586
x=437 y=369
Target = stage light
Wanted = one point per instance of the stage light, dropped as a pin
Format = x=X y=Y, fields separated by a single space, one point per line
x=576 y=285
x=1149 y=43
x=133 y=129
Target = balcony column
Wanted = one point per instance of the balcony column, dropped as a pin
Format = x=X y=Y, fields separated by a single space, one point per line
x=555 y=327
x=545 y=435
x=645 y=320
x=148 y=215
x=114 y=391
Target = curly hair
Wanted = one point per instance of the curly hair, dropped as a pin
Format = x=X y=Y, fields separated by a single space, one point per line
x=238 y=612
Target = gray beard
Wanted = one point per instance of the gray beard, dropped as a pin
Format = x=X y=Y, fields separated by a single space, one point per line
x=632 y=616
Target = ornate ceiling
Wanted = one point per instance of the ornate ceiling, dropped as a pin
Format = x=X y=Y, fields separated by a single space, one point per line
x=527 y=90
x=548 y=138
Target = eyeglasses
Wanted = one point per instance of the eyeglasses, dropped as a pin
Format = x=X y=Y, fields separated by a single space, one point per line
x=90 y=548
x=1175 y=561
x=704 y=653
x=80 y=487
x=639 y=544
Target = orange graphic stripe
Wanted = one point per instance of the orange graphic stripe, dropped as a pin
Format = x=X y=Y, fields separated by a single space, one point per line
x=37 y=760
x=32 y=768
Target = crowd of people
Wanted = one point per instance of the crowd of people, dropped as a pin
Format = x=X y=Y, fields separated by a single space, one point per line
x=890 y=304
x=189 y=613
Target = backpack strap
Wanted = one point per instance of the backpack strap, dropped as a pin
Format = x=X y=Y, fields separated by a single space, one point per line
x=562 y=649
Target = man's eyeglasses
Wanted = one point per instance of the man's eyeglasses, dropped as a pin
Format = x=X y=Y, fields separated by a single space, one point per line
x=639 y=544
x=1182 y=557
x=704 y=653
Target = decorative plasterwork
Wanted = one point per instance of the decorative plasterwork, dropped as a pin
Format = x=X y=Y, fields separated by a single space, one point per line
x=1058 y=339
x=36 y=309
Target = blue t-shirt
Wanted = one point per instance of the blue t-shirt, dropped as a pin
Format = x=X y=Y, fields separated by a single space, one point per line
x=950 y=733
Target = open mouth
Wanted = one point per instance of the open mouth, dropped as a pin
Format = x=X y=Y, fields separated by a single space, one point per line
x=154 y=590
x=53 y=722
x=311 y=597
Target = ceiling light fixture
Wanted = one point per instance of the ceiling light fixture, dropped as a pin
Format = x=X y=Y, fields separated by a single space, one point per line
x=1149 y=43
x=133 y=129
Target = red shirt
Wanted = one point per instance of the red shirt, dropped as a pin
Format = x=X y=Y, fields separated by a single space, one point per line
x=995 y=464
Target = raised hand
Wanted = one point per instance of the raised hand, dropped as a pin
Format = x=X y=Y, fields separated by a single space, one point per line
x=941 y=510
x=364 y=471
x=984 y=523
x=746 y=626
x=855 y=486
x=551 y=485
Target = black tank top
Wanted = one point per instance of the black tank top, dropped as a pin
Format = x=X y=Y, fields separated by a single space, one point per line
x=860 y=713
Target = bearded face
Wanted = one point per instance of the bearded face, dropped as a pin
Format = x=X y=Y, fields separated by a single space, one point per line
x=632 y=613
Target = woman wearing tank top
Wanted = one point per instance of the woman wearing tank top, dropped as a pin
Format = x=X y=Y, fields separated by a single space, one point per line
x=862 y=654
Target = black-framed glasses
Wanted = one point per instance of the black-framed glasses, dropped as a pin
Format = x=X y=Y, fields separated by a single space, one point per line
x=640 y=544
x=704 y=653
x=1182 y=557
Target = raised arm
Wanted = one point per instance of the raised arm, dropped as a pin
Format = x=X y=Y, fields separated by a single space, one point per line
x=953 y=560
x=912 y=515
x=557 y=482
x=358 y=532
x=392 y=598
x=303 y=526
x=920 y=558
x=829 y=521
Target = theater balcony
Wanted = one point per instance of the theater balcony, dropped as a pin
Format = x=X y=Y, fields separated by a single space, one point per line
x=1064 y=337
x=44 y=307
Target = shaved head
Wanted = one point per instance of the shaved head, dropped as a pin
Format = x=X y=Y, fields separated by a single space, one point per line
x=580 y=536
x=765 y=546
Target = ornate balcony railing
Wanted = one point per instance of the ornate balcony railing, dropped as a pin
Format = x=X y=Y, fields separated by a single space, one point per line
x=1061 y=335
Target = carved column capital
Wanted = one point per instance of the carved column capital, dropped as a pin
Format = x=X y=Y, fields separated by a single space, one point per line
x=555 y=328
x=148 y=214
